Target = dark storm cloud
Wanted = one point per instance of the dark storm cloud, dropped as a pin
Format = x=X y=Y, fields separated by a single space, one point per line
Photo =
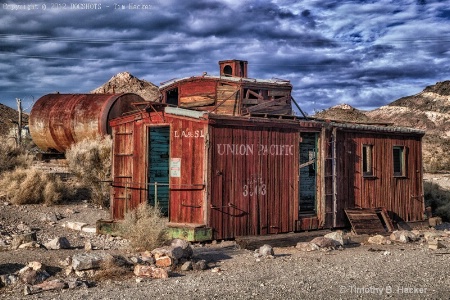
x=365 y=53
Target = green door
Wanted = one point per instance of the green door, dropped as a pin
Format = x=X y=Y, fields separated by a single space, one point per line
x=158 y=173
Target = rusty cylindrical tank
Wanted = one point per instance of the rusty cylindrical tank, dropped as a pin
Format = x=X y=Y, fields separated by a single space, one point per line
x=58 y=120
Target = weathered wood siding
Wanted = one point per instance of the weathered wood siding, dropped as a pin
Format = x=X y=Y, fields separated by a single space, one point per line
x=187 y=184
x=201 y=92
x=254 y=180
x=402 y=196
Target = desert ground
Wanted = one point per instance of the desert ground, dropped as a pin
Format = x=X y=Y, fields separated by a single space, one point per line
x=359 y=270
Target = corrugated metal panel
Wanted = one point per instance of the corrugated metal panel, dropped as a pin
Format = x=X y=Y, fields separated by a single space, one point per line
x=59 y=120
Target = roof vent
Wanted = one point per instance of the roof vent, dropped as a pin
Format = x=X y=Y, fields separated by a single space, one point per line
x=235 y=68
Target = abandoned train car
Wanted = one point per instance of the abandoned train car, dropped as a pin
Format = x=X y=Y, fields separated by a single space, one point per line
x=218 y=176
x=231 y=93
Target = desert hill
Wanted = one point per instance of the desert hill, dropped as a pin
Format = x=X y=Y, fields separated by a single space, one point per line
x=126 y=83
x=9 y=115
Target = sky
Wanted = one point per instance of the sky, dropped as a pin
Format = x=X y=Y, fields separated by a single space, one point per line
x=362 y=53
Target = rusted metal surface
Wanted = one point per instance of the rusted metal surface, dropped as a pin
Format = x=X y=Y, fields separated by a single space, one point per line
x=59 y=120
x=243 y=176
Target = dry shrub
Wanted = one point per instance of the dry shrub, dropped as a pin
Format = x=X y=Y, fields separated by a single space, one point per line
x=90 y=161
x=115 y=268
x=438 y=199
x=12 y=156
x=31 y=186
x=144 y=227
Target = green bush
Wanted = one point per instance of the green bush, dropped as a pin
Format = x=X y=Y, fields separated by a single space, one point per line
x=90 y=161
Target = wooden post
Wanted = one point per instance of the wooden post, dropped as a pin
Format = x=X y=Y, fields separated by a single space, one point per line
x=19 y=131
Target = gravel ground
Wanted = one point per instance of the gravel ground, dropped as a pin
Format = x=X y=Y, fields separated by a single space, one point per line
x=398 y=271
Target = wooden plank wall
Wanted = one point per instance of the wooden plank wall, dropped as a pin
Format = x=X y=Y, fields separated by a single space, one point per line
x=401 y=196
x=188 y=192
x=254 y=180
x=197 y=93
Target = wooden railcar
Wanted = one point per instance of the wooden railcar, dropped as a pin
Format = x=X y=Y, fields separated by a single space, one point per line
x=219 y=176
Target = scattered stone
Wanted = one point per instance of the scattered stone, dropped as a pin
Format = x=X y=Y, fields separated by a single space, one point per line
x=58 y=243
x=187 y=266
x=23 y=227
x=50 y=285
x=216 y=270
x=66 y=262
x=337 y=236
x=386 y=253
x=136 y=260
x=266 y=250
x=70 y=211
x=378 y=240
x=77 y=282
x=431 y=235
x=200 y=265
x=19 y=239
x=403 y=236
x=30 y=245
x=88 y=246
x=8 y=279
x=164 y=261
x=50 y=217
x=89 y=229
x=85 y=273
x=150 y=271
x=323 y=242
x=435 y=244
x=306 y=246
x=75 y=225
x=435 y=221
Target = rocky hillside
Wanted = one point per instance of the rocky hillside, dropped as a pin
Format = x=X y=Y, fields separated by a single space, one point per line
x=428 y=110
x=8 y=116
x=126 y=83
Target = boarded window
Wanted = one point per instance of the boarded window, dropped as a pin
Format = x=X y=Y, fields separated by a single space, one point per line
x=399 y=160
x=367 y=160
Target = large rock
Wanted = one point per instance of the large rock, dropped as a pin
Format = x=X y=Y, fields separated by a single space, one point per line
x=58 y=243
x=33 y=273
x=88 y=261
x=306 y=246
x=185 y=246
x=337 y=236
x=150 y=271
x=403 y=236
x=266 y=250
